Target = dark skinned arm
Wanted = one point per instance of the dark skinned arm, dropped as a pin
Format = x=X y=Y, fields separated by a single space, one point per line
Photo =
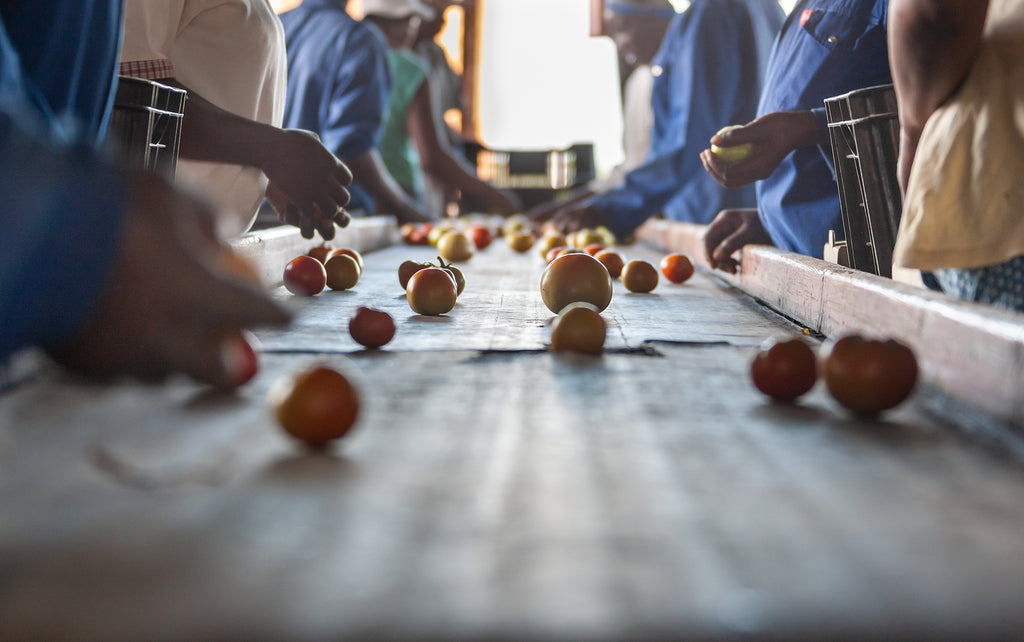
x=369 y=171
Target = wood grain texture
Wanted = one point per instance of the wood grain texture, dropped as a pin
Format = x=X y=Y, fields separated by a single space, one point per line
x=973 y=352
x=494 y=490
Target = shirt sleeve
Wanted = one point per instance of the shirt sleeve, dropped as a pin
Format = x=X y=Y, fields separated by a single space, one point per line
x=358 y=99
x=62 y=216
x=701 y=91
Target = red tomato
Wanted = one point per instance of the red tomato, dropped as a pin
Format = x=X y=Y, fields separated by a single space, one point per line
x=677 y=267
x=612 y=261
x=639 y=276
x=371 y=327
x=316 y=405
x=784 y=369
x=578 y=328
x=319 y=252
x=552 y=254
x=305 y=276
x=431 y=291
x=593 y=249
x=239 y=354
x=573 y=277
x=407 y=269
x=869 y=376
x=481 y=235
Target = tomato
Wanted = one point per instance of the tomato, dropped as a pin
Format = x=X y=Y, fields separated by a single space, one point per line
x=677 y=267
x=593 y=249
x=356 y=256
x=550 y=241
x=407 y=269
x=305 y=276
x=320 y=252
x=612 y=261
x=431 y=291
x=639 y=276
x=342 y=271
x=520 y=241
x=316 y=405
x=784 y=369
x=460 y=278
x=586 y=237
x=371 y=327
x=481 y=235
x=455 y=246
x=869 y=376
x=578 y=328
x=575 y=277
x=238 y=350
x=552 y=254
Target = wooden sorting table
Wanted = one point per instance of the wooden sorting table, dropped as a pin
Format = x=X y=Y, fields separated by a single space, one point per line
x=494 y=490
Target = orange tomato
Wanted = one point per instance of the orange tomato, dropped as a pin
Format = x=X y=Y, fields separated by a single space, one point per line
x=349 y=251
x=869 y=376
x=575 y=277
x=305 y=276
x=316 y=405
x=579 y=327
x=784 y=369
x=639 y=276
x=612 y=261
x=431 y=291
x=677 y=267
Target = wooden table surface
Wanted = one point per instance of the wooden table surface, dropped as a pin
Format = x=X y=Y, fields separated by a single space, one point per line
x=496 y=490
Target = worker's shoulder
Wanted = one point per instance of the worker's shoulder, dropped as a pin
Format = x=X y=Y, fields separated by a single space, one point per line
x=718 y=9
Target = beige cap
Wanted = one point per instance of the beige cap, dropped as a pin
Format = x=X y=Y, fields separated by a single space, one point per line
x=398 y=9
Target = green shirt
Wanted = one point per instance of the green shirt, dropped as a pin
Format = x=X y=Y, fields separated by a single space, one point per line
x=408 y=73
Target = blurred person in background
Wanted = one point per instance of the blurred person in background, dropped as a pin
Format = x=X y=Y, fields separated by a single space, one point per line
x=958 y=70
x=708 y=75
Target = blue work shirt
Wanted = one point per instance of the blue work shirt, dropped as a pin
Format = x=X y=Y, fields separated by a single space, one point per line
x=338 y=81
x=826 y=48
x=65 y=48
x=708 y=75
x=60 y=224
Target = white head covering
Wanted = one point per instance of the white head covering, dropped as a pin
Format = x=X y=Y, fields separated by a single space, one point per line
x=398 y=9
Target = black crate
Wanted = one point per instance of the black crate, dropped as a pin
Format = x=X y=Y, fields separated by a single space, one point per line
x=145 y=125
x=864 y=130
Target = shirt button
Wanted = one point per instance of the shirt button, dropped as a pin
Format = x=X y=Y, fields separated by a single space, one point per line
x=656 y=70
x=833 y=40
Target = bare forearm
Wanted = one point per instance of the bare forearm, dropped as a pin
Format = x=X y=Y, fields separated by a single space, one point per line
x=932 y=46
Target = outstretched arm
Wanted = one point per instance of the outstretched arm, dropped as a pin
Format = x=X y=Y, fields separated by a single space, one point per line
x=932 y=46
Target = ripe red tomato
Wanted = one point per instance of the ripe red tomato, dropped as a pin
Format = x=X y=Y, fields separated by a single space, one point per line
x=573 y=277
x=239 y=354
x=342 y=271
x=320 y=252
x=579 y=327
x=869 y=376
x=481 y=235
x=431 y=291
x=371 y=327
x=316 y=405
x=407 y=269
x=612 y=261
x=639 y=276
x=305 y=276
x=784 y=369
x=677 y=268
x=593 y=249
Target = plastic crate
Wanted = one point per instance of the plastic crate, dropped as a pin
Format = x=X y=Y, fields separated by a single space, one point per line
x=145 y=124
x=864 y=130
x=536 y=176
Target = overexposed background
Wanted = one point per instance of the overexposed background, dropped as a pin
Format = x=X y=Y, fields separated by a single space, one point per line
x=546 y=83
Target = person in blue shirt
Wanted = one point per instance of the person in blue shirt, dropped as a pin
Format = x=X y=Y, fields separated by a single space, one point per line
x=708 y=75
x=111 y=272
x=826 y=48
x=338 y=87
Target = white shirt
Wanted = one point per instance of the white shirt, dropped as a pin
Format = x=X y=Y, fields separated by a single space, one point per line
x=637 y=122
x=230 y=52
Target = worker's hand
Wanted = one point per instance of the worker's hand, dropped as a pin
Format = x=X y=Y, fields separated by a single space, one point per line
x=772 y=137
x=728 y=233
x=175 y=300
x=307 y=183
x=576 y=217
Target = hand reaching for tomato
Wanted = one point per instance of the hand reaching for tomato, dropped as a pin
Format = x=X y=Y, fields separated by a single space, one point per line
x=728 y=233
x=172 y=304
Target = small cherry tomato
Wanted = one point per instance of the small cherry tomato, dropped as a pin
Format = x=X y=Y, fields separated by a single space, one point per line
x=612 y=261
x=320 y=252
x=371 y=327
x=238 y=352
x=639 y=276
x=520 y=241
x=677 y=268
x=407 y=269
x=342 y=271
x=572 y=277
x=316 y=405
x=579 y=327
x=305 y=276
x=593 y=249
x=784 y=369
x=481 y=235
x=869 y=376
x=431 y=291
